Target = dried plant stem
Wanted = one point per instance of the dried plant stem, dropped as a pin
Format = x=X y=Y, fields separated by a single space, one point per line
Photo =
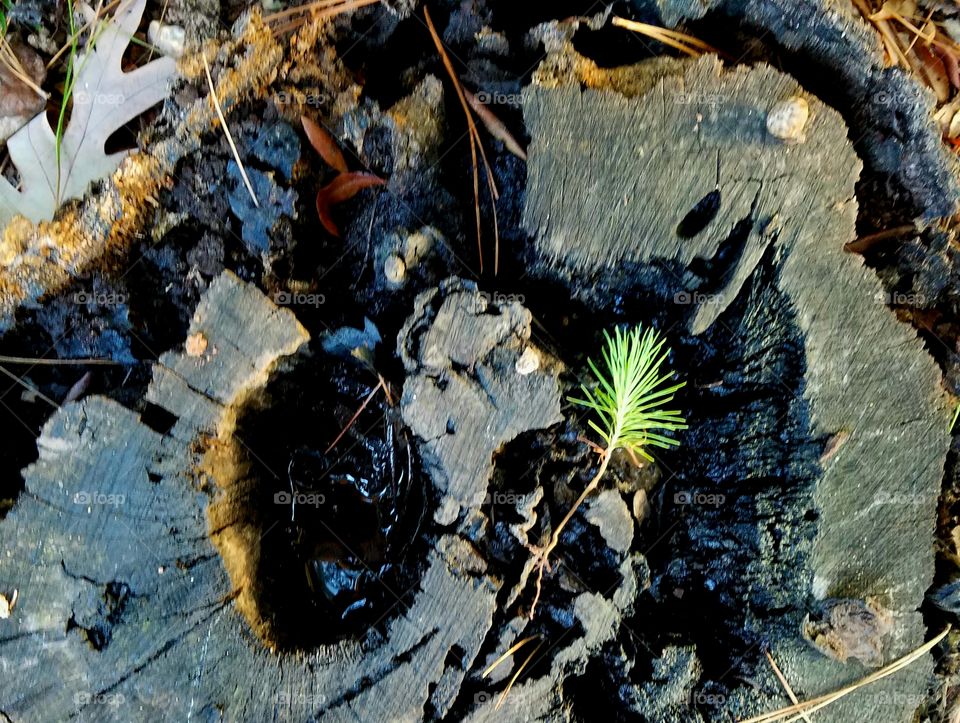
x=226 y=131
x=75 y=36
x=542 y=555
x=510 y=651
x=29 y=387
x=13 y=64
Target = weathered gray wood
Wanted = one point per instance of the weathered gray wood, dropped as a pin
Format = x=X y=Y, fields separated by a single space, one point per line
x=610 y=178
x=830 y=47
x=132 y=566
x=463 y=395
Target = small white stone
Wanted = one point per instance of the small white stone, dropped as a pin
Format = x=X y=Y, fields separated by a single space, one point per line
x=788 y=118
x=528 y=362
x=170 y=40
x=394 y=270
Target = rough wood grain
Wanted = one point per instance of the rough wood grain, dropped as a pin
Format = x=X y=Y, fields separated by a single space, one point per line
x=463 y=395
x=126 y=609
x=838 y=56
x=611 y=177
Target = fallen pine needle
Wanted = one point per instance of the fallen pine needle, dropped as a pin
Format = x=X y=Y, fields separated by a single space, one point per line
x=675 y=39
x=785 y=683
x=226 y=131
x=510 y=651
x=55 y=362
x=496 y=127
x=506 y=691
x=822 y=701
x=356 y=415
x=29 y=387
x=475 y=142
x=320 y=10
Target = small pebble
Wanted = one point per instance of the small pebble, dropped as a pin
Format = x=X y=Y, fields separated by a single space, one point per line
x=394 y=270
x=196 y=344
x=528 y=362
x=787 y=120
x=170 y=40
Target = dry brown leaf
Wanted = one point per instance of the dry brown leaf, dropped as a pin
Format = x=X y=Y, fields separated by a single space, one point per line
x=932 y=70
x=951 y=61
x=324 y=144
x=17 y=99
x=340 y=189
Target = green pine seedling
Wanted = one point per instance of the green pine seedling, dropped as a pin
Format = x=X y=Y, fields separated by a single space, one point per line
x=628 y=402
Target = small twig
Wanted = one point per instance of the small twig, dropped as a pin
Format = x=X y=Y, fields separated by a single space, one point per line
x=226 y=131
x=822 y=701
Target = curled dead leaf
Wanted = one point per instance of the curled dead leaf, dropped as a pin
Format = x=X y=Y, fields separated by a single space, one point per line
x=340 y=189
x=324 y=144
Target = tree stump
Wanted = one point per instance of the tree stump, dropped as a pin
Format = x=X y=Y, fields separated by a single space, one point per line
x=192 y=561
